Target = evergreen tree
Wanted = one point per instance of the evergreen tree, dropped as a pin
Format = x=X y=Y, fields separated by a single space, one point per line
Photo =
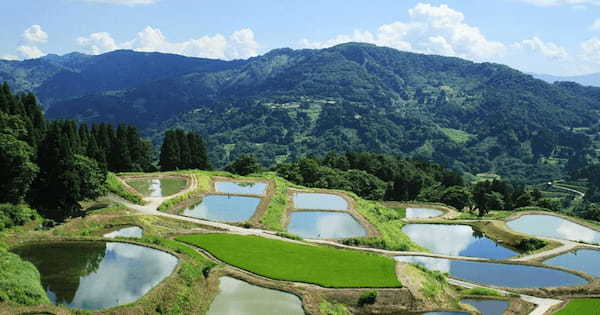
x=185 y=154
x=120 y=158
x=169 y=152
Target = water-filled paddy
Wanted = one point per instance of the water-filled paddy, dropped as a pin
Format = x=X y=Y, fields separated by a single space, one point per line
x=488 y=307
x=319 y=201
x=132 y=231
x=158 y=187
x=456 y=240
x=422 y=213
x=555 y=227
x=97 y=275
x=585 y=260
x=245 y=188
x=317 y=224
x=238 y=297
x=503 y=275
x=224 y=208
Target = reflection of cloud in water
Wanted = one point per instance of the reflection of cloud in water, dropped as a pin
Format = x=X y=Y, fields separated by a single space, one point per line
x=430 y=263
x=421 y=213
x=552 y=226
x=325 y=225
x=319 y=201
x=125 y=274
x=240 y=298
x=224 y=208
x=572 y=231
x=441 y=239
x=133 y=231
x=155 y=188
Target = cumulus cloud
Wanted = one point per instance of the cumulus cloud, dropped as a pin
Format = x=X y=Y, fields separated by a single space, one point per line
x=548 y=49
x=30 y=52
x=240 y=44
x=549 y=3
x=122 y=2
x=431 y=29
x=591 y=50
x=596 y=25
x=35 y=34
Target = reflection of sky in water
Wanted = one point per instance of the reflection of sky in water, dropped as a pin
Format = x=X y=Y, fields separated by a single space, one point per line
x=555 y=227
x=224 y=208
x=319 y=201
x=421 y=213
x=241 y=188
x=134 y=232
x=314 y=224
x=504 y=275
x=455 y=240
x=585 y=260
x=126 y=273
x=488 y=307
x=238 y=297
x=155 y=190
x=445 y=313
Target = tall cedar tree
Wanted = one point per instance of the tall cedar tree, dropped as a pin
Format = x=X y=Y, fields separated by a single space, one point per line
x=181 y=150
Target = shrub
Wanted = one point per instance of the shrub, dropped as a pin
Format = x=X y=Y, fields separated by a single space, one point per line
x=530 y=244
x=367 y=298
x=13 y=215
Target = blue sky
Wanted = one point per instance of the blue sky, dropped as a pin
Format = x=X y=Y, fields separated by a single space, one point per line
x=560 y=37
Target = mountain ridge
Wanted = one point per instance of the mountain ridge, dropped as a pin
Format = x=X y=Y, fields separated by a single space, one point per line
x=473 y=117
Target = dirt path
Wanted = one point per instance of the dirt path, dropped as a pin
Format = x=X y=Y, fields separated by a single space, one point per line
x=581 y=194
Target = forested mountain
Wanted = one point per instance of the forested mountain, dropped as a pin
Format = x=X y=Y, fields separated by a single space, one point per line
x=472 y=117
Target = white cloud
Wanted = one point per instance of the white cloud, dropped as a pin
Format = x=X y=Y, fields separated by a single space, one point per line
x=596 y=25
x=8 y=57
x=240 y=44
x=591 y=50
x=122 y=2
x=35 y=34
x=30 y=52
x=548 y=49
x=431 y=29
x=549 y=3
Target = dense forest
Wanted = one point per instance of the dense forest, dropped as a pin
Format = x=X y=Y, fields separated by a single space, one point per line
x=53 y=165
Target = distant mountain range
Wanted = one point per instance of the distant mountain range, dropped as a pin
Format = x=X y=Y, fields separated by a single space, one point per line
x=589 y=79
x=473 y=117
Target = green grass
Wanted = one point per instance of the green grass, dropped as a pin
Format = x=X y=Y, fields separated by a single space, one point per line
x=479 y=291
x=114 y=185
x=20 y=281
x=492 y=215
x=328 y=308
x=272 y=219
x=581 y=307
x=168 y=186
x=456 y=135
x=282 y=260
x=388 y=223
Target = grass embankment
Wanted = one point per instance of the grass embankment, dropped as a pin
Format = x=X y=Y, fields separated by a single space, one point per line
x=20 y=281
x=580 y=307
x=288 y=261
x=328 y=308
x=203 y=181
x=388 y=222
x=272 y=219
x=114 y=185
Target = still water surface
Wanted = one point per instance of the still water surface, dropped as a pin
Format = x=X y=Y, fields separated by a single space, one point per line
x=503 y=275
x=132 y=231
x=317 y=224
x=319 y=201
x=422 y=213
x=246 y=188
x=586 y=260
x=241 y=298
x=456 y=240
x=97 y=275
x=555 y=227
x=224 y=208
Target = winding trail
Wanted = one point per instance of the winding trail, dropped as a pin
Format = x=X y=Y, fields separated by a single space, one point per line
x=581 y=194
x=543 y=305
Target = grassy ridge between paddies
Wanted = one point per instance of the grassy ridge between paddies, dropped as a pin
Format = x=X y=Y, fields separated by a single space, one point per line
x=288 y=261
x=114 y=185
x=20 y=281
x=581 y=307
